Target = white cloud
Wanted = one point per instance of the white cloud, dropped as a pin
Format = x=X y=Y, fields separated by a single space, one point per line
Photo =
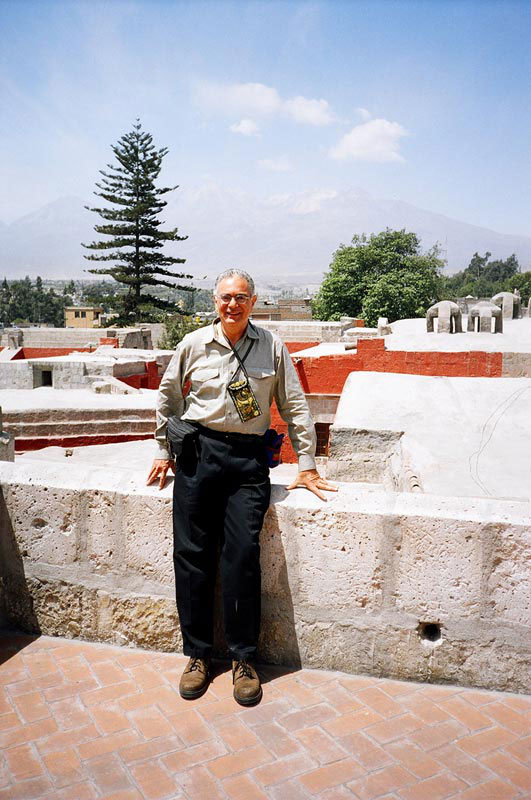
x=247 y=127
x=258 y=99
x=364 y=114
x=312 y=201
x=280 y=199
x=310 y=112
x=302 y=203
x=377 y=140
x=281 y=164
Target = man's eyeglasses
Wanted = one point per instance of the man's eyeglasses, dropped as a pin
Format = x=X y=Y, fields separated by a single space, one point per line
x=241 y=299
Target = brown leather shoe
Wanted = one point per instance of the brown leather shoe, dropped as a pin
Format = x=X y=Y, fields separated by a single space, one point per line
x=195 y=678
x=247 y=689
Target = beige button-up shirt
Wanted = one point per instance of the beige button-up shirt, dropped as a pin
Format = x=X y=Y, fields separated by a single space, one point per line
x=205 y=361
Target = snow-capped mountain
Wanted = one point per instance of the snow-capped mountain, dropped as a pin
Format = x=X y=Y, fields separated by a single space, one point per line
x=288 y=238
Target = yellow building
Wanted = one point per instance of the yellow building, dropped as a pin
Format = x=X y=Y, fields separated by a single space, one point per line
x=82 y=316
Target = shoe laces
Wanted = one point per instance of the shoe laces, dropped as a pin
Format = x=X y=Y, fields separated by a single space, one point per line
x=243 y=670
x=196 y=664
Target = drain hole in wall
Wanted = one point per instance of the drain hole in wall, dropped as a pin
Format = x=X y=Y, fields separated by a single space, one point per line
x=429 y=631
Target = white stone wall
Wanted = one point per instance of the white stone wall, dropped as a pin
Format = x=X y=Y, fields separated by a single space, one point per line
x=75 y=372
x=80 y=337
x=305 y=330
x=16 y=375
x=346 y=584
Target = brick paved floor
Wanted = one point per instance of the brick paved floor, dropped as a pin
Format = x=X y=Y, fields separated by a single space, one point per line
x=83 y=721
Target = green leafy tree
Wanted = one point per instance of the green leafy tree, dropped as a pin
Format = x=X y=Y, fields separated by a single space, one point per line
x=5 y=302
x=19 y=305
x=482 y=277
x=385 y=274
x=175 y=329
x=131 y=222
x=522 y=282
x=21 y=302
x=39 y=300
x=53 y=310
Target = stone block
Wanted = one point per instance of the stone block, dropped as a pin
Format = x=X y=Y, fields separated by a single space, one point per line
x=45 y=523
x=61 y=608
x=439 y=570
x=464 y=655
x=139 y=620
x=337 y=552
x=360 y=468
x=103 y=519
x=509 y=582
x=361 y=455
x=343 y=441
x=55 y=608
x=148 y=540
x=7 y=446
x=516 y=365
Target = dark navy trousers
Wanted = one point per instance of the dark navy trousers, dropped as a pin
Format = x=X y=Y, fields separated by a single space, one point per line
x=220 y=496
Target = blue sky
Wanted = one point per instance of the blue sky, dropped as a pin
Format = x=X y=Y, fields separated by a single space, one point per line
x=428 y=102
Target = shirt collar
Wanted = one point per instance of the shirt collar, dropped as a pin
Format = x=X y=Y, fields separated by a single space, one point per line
x=216 y=333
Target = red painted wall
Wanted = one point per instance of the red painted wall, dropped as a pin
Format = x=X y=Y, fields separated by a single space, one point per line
x=144 y=380
x=287 y=454
x=324 y=375
x=327 y=375
x=48 y=352
x=25 y=445
x=294 y=347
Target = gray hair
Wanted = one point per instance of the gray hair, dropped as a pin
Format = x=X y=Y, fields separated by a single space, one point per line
x=235 y=273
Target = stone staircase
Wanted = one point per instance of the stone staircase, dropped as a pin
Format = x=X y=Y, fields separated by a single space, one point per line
x=39 y=428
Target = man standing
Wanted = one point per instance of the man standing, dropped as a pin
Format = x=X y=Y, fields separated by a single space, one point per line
x=221 y=492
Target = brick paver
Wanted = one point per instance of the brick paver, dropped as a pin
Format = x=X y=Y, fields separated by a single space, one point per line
x=81 y=720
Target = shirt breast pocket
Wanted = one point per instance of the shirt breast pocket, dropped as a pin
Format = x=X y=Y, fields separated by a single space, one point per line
x=260 y=372
x=262 y=380
x=205 y=383
x=204 y=374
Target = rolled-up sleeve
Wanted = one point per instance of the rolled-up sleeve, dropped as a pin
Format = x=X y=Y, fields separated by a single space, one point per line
x=293 y=408
x=170 y=400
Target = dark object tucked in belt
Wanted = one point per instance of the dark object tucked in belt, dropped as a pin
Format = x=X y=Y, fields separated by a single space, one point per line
x=230 y=436
x=178 y=432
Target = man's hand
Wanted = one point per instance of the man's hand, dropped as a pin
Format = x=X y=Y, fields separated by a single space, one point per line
x=310 y=479
x=160 y=469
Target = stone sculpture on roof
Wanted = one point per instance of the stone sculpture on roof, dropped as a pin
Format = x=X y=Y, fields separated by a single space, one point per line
x=481 y=315
x=509 y=302
x=448 y=315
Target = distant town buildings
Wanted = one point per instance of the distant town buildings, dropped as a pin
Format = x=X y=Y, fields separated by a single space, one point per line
x=82 y=316
x=283 y=309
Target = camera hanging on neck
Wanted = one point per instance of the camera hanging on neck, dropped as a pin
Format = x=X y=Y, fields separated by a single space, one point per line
x=241 y=391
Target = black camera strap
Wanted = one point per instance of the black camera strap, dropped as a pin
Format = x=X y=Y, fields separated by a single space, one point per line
x=241 y=365
x=238 y=357
x=241 y=391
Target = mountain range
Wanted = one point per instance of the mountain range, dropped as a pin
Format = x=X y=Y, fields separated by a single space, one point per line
x=286 y=239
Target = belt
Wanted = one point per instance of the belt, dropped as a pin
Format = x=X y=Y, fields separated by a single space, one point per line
x=230 y=436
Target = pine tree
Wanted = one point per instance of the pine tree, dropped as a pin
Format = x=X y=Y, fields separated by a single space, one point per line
x=39 y=300
x=5 y=302
x=133 y=226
